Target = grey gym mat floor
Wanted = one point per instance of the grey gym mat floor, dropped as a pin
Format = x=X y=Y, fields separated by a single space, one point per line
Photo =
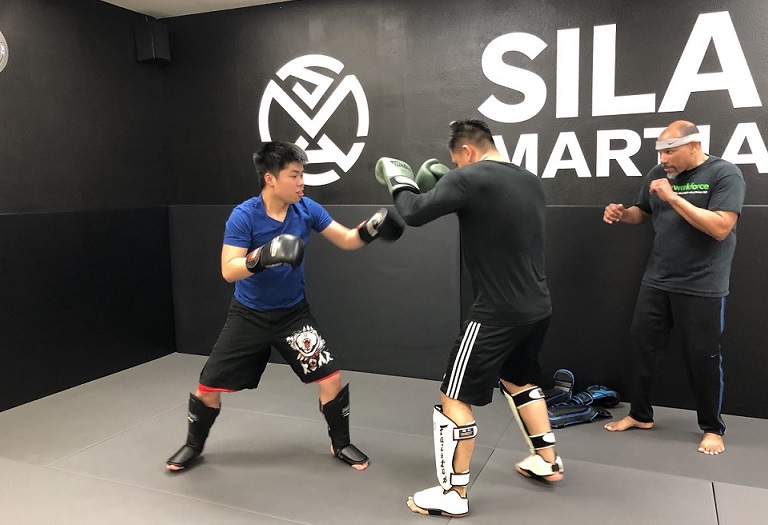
x=95 y=454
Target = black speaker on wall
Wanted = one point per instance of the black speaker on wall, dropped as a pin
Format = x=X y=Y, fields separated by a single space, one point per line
x=152 y=41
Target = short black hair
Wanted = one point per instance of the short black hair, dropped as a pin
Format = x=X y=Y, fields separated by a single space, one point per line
x=474 y=131
x=275 y=156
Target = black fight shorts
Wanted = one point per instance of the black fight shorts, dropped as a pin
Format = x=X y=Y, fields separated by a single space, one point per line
x=483 y=354
x=241 y=353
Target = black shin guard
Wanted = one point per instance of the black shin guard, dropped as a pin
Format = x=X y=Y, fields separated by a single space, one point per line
x=200 y=418
x=336 y=412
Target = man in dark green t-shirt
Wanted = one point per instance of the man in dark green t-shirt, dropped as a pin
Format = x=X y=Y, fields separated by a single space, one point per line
x=694 y=200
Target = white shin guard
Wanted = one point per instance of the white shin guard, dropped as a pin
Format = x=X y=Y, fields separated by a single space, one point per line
x=437 y=502
x=534 y=464
x=447 y=434
x=524 y=398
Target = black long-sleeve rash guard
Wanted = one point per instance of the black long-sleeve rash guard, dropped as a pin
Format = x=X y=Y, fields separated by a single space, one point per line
x=501 y=211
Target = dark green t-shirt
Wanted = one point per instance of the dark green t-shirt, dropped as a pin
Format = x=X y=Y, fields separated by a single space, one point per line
x=684 y=259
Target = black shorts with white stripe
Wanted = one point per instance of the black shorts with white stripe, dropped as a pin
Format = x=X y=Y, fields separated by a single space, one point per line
x=483 y=354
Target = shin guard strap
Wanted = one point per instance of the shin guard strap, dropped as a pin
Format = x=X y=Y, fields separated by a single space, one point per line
x=540 y=441
x=528 y=396
x=460 y=480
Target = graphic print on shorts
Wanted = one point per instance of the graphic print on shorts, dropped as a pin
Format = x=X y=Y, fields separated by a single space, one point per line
x=310 y=349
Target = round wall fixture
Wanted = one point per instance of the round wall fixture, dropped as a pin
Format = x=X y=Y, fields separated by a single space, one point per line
x=3 y=52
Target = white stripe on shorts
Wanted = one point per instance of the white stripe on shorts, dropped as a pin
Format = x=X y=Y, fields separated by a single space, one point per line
x=462 y=358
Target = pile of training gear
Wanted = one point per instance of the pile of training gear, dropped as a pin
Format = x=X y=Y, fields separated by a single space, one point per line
x=566 y=409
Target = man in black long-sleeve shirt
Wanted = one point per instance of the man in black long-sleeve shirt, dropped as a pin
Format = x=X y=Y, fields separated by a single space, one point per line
x=501 y=212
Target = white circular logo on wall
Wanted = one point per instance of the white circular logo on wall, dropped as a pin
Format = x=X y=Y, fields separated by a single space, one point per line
x=308 y=87
x=3 y=52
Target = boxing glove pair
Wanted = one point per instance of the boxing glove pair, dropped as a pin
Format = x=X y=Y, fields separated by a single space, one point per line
x=398 y=176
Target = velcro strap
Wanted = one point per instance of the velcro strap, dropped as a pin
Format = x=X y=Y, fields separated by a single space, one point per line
x=546 y=440
x=525 y=397
x=556 y=396
x=401 y=183
x=583 y=398
x=465 y=432
x=460 y=480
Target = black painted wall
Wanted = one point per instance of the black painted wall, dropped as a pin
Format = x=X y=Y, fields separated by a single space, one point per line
x=420 y=65
x=95 y=144
x=85 y=261
x=85 y=294
x=80 y=116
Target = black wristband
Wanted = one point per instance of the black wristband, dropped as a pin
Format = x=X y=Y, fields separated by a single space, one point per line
x=252 y=261
x=365 y=235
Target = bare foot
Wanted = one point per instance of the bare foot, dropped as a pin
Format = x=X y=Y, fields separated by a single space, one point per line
x=174 y=468
x=415 y=508
x=712 y=444
x=626 y=424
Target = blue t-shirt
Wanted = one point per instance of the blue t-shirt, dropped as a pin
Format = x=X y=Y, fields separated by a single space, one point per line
x=249 y=227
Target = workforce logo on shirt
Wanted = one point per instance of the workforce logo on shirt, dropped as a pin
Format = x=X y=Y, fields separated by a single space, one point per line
x=323 y=95
x=310 y=349
x=690 y=188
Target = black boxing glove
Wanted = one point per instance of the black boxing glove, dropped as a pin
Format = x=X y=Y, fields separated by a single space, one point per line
x=384 y=224
x=283 y=249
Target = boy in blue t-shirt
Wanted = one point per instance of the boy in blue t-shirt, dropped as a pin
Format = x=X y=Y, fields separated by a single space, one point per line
x=263 y=255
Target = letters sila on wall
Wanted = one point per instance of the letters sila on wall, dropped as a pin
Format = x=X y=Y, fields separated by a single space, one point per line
x=735 y=78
